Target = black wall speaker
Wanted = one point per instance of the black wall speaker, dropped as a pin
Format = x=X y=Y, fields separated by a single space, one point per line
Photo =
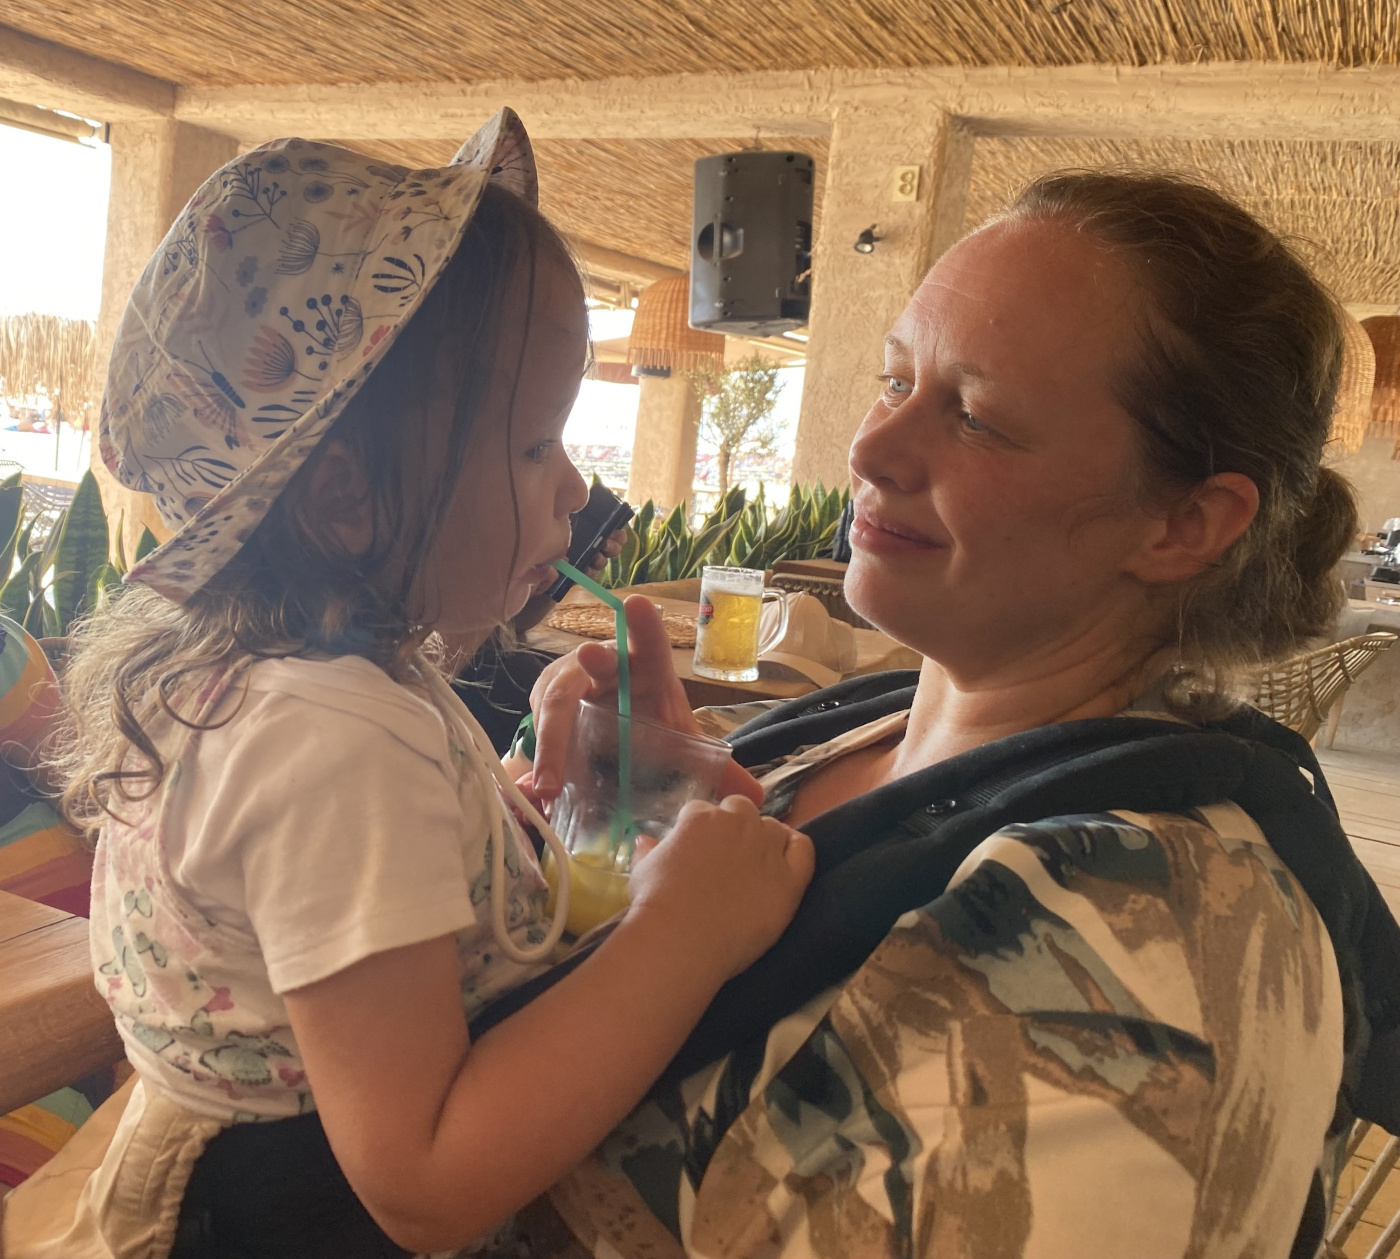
x=751 y=242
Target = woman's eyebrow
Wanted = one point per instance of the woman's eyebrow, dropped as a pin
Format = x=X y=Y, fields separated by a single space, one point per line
x=894 y=345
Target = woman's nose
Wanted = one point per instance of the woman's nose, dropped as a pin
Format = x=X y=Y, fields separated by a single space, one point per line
x=885 y=450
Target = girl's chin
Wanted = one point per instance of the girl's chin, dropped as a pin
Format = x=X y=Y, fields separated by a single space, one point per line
x=538 y=579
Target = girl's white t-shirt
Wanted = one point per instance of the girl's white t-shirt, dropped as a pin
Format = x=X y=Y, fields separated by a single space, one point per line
x=322 y=820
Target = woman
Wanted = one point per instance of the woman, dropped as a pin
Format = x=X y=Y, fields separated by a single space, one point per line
x=1007 y=1021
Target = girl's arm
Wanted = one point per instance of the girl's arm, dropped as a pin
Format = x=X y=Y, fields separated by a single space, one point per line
x=441 y=1142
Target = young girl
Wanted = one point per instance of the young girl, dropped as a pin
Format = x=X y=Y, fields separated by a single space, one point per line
x=345 y=385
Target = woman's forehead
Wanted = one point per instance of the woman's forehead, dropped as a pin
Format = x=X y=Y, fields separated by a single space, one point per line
x=1037 y=287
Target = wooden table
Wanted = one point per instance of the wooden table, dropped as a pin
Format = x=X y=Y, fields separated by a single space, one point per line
x=54 y=1026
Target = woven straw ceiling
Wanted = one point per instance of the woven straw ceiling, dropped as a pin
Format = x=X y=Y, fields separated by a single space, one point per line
x=331 y=41
x=1340 y=202
x=630 y=195
x=634 y=196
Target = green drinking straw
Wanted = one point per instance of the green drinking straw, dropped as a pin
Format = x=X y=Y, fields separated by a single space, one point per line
x=623 y=823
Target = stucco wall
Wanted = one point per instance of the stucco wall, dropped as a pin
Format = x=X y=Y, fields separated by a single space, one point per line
x=857 y=297
x=663 y=446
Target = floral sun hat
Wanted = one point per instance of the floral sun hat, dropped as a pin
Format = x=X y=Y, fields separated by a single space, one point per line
x=280 y=288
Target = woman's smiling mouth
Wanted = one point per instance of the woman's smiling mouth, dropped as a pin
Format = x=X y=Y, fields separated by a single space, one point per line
x=872 y=530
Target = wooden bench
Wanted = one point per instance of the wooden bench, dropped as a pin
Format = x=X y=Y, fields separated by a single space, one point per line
x=54 y=1025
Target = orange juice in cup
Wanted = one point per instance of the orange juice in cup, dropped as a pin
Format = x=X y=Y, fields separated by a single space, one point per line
x=669 y=769
x=596 y=891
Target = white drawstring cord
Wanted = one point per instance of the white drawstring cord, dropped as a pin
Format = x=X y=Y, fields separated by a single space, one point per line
x=489 y=774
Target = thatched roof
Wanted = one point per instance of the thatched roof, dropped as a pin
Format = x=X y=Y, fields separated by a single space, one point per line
x=630 y=195
x=1341 y=202
x=329 y=41
x=43 y=353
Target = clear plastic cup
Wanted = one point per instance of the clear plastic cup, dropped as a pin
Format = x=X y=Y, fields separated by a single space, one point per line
x=669 y=769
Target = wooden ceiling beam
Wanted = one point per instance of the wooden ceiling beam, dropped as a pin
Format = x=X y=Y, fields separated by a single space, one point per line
x=1210 y=101
x=37 y=72
x=1227 y=100
x=49 y=122
x=673 y=107
x=610 y=264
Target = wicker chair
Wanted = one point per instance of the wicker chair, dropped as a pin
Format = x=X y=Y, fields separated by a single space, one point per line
x=1371 y=1157
x=825 y=580
x=1307 y=690
x=44 y=504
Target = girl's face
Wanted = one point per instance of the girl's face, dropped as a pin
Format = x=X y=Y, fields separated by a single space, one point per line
x=994 y=478
x=510 y=514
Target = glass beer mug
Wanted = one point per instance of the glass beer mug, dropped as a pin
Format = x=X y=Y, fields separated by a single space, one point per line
x=727 y=628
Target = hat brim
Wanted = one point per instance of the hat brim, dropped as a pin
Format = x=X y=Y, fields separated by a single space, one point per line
x=501 y=153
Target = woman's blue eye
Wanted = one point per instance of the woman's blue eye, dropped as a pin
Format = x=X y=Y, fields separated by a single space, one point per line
x=972 y=423
x=897 y=385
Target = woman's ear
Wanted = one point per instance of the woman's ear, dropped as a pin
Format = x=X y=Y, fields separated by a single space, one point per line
x=337 y=498
x=1197 y=531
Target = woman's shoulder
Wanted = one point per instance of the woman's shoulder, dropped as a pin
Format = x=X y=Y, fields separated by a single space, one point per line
x=1211 y=860
x=1185 y=912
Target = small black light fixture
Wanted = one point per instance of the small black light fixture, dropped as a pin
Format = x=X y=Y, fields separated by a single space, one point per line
x=865 y=242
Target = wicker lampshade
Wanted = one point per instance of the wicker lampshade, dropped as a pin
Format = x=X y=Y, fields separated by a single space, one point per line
x=661 y=332
x=1353 y=414
x=1384 y=332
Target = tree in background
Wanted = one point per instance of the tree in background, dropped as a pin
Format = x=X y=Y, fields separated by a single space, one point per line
x=737 y=405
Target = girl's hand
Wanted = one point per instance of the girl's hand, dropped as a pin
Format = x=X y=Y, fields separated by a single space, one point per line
x=590 y=672
x=724 y=884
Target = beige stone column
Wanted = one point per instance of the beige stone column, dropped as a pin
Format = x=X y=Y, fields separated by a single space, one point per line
x=663 y=447
x=857 y=297
x=156 y=167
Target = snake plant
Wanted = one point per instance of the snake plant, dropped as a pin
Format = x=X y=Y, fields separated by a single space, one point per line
x=738 y=532
x=55 y=580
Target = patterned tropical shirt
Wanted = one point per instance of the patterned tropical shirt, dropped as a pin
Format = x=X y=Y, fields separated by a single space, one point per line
x=1113 y=1035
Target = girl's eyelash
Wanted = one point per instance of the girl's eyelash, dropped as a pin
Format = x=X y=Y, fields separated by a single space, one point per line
x=538 y=451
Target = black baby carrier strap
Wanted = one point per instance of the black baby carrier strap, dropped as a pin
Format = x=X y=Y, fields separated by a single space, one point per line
x=895 y=849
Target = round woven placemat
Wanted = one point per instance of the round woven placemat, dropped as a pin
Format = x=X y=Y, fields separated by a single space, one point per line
x=594 y=620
